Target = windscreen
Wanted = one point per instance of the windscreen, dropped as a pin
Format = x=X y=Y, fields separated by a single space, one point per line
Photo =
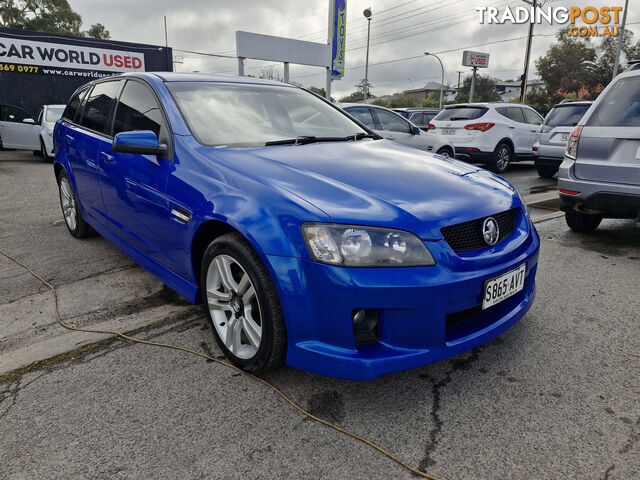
x=565 y=116
x=620 y=107
x=53 y=114
x=242 y=115
x=460 y=113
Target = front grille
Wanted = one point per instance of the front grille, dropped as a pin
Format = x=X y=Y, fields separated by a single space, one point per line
x=467 y=236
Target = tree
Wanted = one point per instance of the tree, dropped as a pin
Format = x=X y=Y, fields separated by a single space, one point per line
x=356 y=96
x=607 y=51
x=569 y=66
x=432 y=101
x=55 y=16
x=484 y=90
x=97 y=31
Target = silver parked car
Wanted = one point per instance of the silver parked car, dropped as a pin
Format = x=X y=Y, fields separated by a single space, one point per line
x=600 y=175
x=394 y=126
x=552 y=136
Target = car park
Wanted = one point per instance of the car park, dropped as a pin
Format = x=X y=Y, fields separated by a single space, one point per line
x=495 y=134
x=551 y=141
x=600 y=175
x=418 y=116
x=393 y=126
x=309 y=238
x=20 y=131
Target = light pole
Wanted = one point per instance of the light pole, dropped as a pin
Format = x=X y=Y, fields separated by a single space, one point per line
x=620 y=39
x=365 y=88
x=442 y=82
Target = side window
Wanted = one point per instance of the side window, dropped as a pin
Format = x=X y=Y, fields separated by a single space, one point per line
x=531 y=117
x=363 y=114
x=392 y=122
x=138 y=109
x=95 y=115
x=512 y=113
x=74 y=104
x=13 y=114
x=418 y=118
x=39 y=121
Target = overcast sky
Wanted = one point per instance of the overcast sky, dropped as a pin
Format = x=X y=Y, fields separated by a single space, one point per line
x=399 y=29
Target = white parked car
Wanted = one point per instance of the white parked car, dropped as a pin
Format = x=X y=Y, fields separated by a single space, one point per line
x=20 y=131
x=394 y=126
x=492 y=133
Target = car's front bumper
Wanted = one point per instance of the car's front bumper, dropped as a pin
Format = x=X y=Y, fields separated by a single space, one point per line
x=426 y=313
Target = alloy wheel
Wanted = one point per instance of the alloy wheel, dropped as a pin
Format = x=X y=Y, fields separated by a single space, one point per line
x=502 y=160
x=234 y=307
x=68 y=200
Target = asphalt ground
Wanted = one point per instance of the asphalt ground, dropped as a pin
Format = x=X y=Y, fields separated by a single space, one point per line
x=555 y=397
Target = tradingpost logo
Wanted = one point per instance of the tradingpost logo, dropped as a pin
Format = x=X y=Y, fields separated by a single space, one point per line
x=598 y=22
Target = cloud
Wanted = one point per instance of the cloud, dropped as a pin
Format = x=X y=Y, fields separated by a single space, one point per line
x=399 y=29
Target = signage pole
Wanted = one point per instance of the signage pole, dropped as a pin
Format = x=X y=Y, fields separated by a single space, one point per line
x=330 y=42
x=241 y=66
x=523 y=87
x=473 y=84
x=620 y=39
x=286 y=72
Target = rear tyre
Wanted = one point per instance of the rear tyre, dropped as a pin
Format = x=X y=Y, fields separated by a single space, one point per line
x=547 y=172
x=445 y=152
x=581 y=222
x=71 y=210
x=44 y=154
x=242 y=305
x=502 y=157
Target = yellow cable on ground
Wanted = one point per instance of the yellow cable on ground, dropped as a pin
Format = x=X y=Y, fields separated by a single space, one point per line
x=228 y=365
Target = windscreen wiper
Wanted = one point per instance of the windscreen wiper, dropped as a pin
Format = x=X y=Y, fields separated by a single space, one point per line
x=305 y=139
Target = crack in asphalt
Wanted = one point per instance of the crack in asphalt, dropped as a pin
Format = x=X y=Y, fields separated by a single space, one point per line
x=436 y=388
x=13 y=393
x=634 y=437
x=608 y=472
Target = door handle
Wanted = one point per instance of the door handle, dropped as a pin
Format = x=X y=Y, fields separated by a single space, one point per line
x=391 y=138
x=512 y=128
x=70 y=138
x=107 y=158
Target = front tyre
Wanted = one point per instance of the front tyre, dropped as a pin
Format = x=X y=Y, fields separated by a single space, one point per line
x=502 y=157
x=445 y=152
x=43 y=153
x=242 y=305
x=581 y=222
x=71 y=210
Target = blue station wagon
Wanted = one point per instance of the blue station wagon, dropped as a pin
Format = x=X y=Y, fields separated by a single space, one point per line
x=310 y=240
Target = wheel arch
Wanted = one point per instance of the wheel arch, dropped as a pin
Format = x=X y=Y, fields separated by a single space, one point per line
x=508 y=141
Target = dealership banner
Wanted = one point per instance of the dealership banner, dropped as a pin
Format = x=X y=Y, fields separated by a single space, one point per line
x=339 y=36
x=28 y=54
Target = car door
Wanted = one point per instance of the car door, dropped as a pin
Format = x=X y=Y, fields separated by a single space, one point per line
x=533 y=120
x=82 y=142
x=133 y=185
x=14 y=132
x=519 y=128
x=363 y=114
x=394 y=127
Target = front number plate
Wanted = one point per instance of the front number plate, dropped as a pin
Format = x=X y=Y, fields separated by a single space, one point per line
x=500 y=288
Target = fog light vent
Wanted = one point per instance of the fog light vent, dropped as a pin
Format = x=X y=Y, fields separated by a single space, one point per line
x=365 y=325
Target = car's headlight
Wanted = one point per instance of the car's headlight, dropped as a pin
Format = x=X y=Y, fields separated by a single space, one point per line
x=358 y=246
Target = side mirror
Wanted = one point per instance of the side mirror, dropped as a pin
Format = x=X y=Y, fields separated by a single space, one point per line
x=415 y=130
x=143 y=142
x=30 y=121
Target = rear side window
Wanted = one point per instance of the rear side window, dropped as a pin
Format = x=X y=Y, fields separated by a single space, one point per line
x=95 y=115
x=565 y=116
x=531 y=117
x=392 y=121
x=620 y=107
x=512 y=113
x=460 y=113
x=9 y=113
x=138 y=109
x=418 y=118
x=74 y=104
x=363 y=114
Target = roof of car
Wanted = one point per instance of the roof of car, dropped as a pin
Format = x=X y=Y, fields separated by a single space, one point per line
x=578 y=103
x=485 y=104
x=202 y=77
